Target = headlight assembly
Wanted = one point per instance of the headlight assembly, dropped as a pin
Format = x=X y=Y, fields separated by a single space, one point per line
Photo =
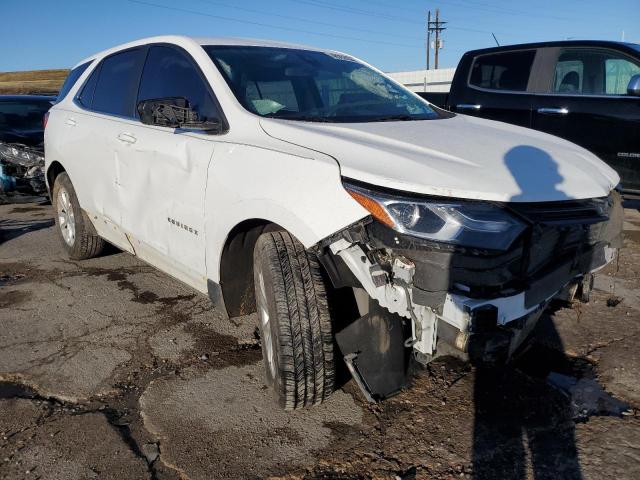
x=457 y=222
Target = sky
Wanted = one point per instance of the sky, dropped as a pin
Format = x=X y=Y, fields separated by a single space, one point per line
x=389 y=34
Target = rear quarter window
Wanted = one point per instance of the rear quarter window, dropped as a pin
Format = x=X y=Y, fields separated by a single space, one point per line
x=71 y=80
x=85 y=97
x=503 y=71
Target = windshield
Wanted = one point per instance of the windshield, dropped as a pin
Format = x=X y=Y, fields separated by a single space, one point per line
x=313 y=86
x=23 y=114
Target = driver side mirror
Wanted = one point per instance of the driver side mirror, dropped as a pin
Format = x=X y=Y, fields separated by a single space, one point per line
x=174 y=112
x=633 y=88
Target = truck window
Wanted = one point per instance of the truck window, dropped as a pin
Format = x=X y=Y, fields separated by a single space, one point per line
x=23 y=114
x=582 y=71
x=168 y=72
x=503 y=71
x=115 y=91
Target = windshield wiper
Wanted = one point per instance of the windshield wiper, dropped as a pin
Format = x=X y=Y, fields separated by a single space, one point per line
x=396 y=118
x=305 y=118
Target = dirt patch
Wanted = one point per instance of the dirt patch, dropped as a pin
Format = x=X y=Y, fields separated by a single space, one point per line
x=220 y=351
x=632 y=235
x=12 y=298
x=18 y=272
x=247 y=436
x=27 y=209
x=121 y=276
x=42 y=441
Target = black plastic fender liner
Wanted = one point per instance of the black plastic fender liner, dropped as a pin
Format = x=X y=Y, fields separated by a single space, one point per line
x=373 y=348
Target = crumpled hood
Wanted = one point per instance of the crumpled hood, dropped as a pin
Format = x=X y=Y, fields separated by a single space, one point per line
x=463 y=157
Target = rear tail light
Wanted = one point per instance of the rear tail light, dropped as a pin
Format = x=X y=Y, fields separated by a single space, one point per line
x=45 y=119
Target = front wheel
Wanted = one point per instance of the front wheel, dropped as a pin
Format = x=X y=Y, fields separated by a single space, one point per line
x=79 y=237
x=295 y=325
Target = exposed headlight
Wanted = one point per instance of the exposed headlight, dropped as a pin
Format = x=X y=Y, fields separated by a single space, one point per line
x=458 y=222
x=21 y=155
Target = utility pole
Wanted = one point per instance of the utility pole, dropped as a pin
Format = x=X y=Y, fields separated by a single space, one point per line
x=428 y=37
x=436 y=27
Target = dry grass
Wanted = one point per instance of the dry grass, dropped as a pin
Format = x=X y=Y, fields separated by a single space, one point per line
x=35 y=81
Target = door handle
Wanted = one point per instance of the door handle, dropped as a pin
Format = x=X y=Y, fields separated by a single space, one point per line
x=553 y=111
x=71 y=122
x=127 y=138
x=468 y=106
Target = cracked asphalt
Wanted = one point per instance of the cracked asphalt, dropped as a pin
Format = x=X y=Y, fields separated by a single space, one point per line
x=111 y=369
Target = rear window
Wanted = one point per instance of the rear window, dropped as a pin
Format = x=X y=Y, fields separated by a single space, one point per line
x=503 y=71
x=116 y=84
x=71 y=80
x=23 y=114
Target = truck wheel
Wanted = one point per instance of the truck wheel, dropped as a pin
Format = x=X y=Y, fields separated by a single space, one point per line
x=77 y=233
x=295 y=325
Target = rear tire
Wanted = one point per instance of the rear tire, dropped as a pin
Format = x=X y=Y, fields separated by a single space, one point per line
x=295 y=325
x=77 y=233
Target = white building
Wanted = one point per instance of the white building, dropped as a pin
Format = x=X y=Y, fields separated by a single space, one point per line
x=425 y=80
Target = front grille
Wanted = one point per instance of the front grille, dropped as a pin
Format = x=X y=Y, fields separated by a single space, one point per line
x=564 y=231
x=593 y=210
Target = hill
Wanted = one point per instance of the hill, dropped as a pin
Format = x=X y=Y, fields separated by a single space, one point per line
x=34 y=81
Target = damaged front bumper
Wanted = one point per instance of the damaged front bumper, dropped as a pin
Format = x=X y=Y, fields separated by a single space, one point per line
x=21 y=170
x=432 y=299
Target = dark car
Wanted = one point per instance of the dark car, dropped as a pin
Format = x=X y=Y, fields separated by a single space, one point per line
x=22 y=143
x=585 y=91
x=21 y=118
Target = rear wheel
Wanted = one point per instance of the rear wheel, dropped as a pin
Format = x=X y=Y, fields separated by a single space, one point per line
x=295 y=325
x=79 y=237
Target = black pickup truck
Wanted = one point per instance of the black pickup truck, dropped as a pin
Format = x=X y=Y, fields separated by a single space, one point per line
x=585 y=91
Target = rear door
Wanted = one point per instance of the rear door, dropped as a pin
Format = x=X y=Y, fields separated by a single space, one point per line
x=587 y=103
x=497 y=87
x=163 y=174
x=106 y=102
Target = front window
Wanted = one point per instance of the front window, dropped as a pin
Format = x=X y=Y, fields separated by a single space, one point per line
x=315 y=86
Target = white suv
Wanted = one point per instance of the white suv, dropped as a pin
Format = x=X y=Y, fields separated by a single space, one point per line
x=366 y=226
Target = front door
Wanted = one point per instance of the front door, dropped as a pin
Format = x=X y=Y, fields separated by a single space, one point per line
x=588 y=104
x=163 y=173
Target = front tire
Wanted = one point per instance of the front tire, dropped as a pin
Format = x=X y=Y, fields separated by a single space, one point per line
x=78 y=236
x=295 y=325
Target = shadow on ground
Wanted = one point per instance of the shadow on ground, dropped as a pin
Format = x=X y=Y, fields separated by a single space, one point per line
x=12 y=229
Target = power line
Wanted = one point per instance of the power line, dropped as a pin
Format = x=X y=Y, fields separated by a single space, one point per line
x=300 y=19
x=267 y=25
x=485 y=7
x=357 y=11
x=371 y=14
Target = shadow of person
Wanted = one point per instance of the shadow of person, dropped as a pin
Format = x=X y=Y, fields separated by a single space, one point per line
x=520 y=419
x=536 y=174
x=523 y=427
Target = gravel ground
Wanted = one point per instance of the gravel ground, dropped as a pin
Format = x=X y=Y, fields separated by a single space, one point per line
x=111 y=369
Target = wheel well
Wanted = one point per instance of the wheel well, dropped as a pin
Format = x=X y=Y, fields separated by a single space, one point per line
x=54 y=170
x=236 y=265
